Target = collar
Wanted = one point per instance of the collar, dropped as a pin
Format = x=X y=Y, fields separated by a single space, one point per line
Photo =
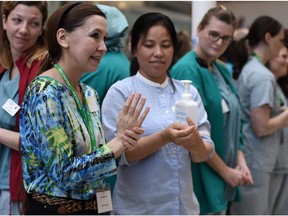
x=151 y=83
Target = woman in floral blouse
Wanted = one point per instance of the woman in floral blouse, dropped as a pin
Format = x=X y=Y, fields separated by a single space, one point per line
x=65 y=157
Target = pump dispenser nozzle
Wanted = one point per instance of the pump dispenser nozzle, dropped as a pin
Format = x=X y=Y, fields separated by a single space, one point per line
x=186 y=85
x=186 y=94
x=186 y=106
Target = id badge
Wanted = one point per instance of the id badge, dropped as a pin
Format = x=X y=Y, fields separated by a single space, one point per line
x=225 y=107
x=11 y=107
x=92 y=104
x=104 y=200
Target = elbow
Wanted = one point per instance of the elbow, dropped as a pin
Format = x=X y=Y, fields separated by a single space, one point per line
x=261 y=131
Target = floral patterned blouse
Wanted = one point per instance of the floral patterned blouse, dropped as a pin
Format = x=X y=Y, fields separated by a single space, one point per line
x=57 y=157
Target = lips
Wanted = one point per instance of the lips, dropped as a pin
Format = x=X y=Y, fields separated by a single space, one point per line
x=96 y=58
x=157 y=62
x=22 y=39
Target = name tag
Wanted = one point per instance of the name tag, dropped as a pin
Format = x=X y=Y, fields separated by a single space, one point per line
x=11 y=107
x=92 y=104
x=225 y=107
x=104 y=201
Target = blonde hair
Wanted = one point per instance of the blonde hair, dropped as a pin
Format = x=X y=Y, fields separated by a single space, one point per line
x=221 y=13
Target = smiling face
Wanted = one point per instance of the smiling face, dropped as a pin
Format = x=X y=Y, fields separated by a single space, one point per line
x=208 y=47
x=279 y=64
x=23 y=27
x=86 y=45
x=155 y=53
x=276 y=43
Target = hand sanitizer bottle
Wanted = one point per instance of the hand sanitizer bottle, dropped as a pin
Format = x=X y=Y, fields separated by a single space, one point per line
x=186 y=106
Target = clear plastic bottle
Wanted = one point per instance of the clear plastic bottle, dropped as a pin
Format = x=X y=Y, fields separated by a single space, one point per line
x=186 y=106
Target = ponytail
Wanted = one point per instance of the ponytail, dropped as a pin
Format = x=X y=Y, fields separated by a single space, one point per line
x=239 y=57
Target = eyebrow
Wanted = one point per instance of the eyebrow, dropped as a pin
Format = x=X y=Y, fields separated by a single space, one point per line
x=96 y=30
x=24 y=15
x=220 y=33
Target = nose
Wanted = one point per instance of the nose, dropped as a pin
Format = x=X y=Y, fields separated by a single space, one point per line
x=220 y=41
x=158 y=51
x=102 y=46
x=24 y=28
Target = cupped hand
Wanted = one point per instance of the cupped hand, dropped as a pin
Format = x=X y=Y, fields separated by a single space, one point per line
x=233 y=177
x=246 y=175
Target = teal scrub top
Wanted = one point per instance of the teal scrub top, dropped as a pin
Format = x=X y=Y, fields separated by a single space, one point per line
x=209 y=186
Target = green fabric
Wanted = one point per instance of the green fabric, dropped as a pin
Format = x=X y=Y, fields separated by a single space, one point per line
x=208 y=185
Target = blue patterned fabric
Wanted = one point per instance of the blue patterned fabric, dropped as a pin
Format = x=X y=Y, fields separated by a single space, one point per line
x=56 y=147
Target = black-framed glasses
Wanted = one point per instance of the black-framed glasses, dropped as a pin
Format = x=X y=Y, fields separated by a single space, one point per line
x=214 y=36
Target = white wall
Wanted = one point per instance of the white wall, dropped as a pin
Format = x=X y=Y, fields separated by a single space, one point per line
x=252 y=9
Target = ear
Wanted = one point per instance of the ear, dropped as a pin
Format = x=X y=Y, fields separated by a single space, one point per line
x=4 y=21
x=268 y=37
x=198 y=31
x=62 y=37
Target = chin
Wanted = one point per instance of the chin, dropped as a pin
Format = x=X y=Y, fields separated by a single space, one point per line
x=92 y=68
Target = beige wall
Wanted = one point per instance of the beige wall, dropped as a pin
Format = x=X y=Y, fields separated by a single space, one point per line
x=252 y=9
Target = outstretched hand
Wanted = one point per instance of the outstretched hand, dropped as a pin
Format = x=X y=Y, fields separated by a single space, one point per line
x=130 y=120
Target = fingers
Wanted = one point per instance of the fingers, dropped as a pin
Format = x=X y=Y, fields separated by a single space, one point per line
x=127 y=104
x=129 y=120
x=130 y=138
x=143 y=116
x=138 y=130
x=131 y=111
x=133 y=105
x=140 y=106
x=128 y=146
x=189 y=121
x=183 y=135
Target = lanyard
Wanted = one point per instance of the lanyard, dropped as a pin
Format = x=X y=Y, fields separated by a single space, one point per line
x=257 y=57
x=86 y=116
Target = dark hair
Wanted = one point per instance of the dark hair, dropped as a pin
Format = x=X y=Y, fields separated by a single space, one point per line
x=183 y=45
x=140 y=29
x=38 y=50
x=69 y=17
x=221 y=13
x=256 y=35
x=283 y=81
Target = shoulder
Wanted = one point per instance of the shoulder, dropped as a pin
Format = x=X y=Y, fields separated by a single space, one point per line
x=121 y=86
x=45 y=85
x=255 y=70
x=188 y=60
x=222 y=66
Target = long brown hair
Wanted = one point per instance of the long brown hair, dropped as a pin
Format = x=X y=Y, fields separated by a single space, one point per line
x=37 y=51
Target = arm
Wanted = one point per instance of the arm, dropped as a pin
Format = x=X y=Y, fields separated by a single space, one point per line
x=199 y=149
x=10 y=138
x=263 y=124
